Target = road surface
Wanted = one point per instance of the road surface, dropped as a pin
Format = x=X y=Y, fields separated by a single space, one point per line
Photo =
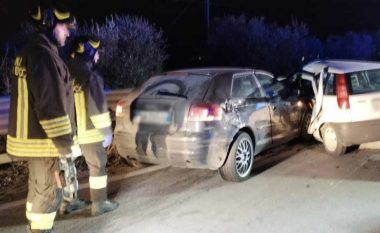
x=294 y=188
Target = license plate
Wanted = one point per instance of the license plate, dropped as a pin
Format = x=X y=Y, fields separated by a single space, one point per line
x=152 y=117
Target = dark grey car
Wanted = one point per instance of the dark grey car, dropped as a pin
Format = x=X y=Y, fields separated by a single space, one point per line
x=216 y=118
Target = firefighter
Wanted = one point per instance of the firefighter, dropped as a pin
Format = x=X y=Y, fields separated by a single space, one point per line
x=40 y=128
x=93 y=123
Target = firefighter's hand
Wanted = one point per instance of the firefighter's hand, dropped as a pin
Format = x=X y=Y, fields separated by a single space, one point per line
x=76 y=151
x=107 y=140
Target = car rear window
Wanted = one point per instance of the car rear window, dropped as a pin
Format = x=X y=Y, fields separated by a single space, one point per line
x=186 y=86
x=364 y=81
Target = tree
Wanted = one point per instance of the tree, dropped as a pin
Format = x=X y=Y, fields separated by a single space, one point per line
x=133 y=50
x=254 y=43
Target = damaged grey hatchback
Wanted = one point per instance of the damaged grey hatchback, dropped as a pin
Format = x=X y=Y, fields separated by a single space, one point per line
x=216 y=118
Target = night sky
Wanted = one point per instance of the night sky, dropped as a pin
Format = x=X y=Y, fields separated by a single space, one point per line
x=183 y=21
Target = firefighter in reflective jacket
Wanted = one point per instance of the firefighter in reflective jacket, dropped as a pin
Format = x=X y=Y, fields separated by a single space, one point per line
x=41 y=113
x=93 y=123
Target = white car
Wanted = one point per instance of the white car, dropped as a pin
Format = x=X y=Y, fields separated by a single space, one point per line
x=346 y=112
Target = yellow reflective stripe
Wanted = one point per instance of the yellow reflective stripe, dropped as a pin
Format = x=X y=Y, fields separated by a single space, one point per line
x=89 y=136
x=28 y=209
x=61 y=15
x=80 y=48
x=102 y=120
x=37 y=16
x=56 y=122
x=58 y=132
x=56 y=127
x=42 y=221
x=80 y=110
x=29 y=206
x=25 y=108
x=22 y=108
x=85 y=136
x=94 y=44
x=19 y=108
x=98 y=182
x=22 y=99
x=31 y=147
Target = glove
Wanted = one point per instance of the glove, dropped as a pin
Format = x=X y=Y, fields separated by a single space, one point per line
x=107 y=140
x=76 y=151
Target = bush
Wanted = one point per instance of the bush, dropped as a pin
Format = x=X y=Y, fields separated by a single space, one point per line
x=351 y=46
x=254 y=43
x=133 y=50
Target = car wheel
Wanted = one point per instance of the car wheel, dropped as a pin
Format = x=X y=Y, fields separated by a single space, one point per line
x=331 y=141
x=239 y=161
x=304 y=127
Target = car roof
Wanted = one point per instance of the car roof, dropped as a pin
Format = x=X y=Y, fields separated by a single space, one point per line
x=211 y=71
x=340 y=66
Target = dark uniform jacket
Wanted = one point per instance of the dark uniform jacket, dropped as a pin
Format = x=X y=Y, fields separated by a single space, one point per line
x=41 y=115
x=92 y=115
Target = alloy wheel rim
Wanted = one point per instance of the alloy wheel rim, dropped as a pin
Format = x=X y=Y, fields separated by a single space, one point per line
x=244 y=157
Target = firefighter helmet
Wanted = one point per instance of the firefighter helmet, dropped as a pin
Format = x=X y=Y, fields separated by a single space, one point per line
x=48 y=16
x=87 y=47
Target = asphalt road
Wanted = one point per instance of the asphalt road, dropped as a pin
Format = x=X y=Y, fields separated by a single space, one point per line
x=294 y=188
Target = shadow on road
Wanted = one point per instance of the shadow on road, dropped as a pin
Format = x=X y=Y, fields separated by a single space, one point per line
x=275 y=156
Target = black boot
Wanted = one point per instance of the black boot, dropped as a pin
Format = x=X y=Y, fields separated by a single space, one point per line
x=98 y=208
x=100 y=203
x=73 y=206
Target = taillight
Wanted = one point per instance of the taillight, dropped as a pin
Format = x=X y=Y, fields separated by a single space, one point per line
x=205 y=112
x=342 y=92
x=119 y=108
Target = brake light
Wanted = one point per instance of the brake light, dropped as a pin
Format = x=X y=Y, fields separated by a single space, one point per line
x=342 y=92
x=205 y=112
x=119 y=108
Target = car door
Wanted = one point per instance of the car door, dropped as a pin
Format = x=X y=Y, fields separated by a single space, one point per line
x=317 y=84
x=284 y=112
x=252 y=108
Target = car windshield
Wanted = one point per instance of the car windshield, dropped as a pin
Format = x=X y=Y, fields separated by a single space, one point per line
x=364 y=81
x=186 y=86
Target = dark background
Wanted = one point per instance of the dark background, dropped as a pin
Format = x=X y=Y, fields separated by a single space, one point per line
x=184 y=23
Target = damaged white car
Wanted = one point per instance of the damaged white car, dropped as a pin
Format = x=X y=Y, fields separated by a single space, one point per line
x=347 y=103
x=217 y=118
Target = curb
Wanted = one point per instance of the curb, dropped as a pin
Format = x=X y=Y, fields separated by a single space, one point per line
x=139 y=172
x=370 y=145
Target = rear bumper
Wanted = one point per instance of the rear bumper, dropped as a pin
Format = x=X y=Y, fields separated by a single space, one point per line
x=196 y=150
x=358 y=132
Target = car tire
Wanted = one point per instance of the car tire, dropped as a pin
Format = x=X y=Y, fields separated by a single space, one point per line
x=304 y=135
x=332 y=142
x=239 y=162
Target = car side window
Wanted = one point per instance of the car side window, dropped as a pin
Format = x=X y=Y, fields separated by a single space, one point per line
x=244 y=86
x=330 y=84
x=270 y=87
x=362 y=82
